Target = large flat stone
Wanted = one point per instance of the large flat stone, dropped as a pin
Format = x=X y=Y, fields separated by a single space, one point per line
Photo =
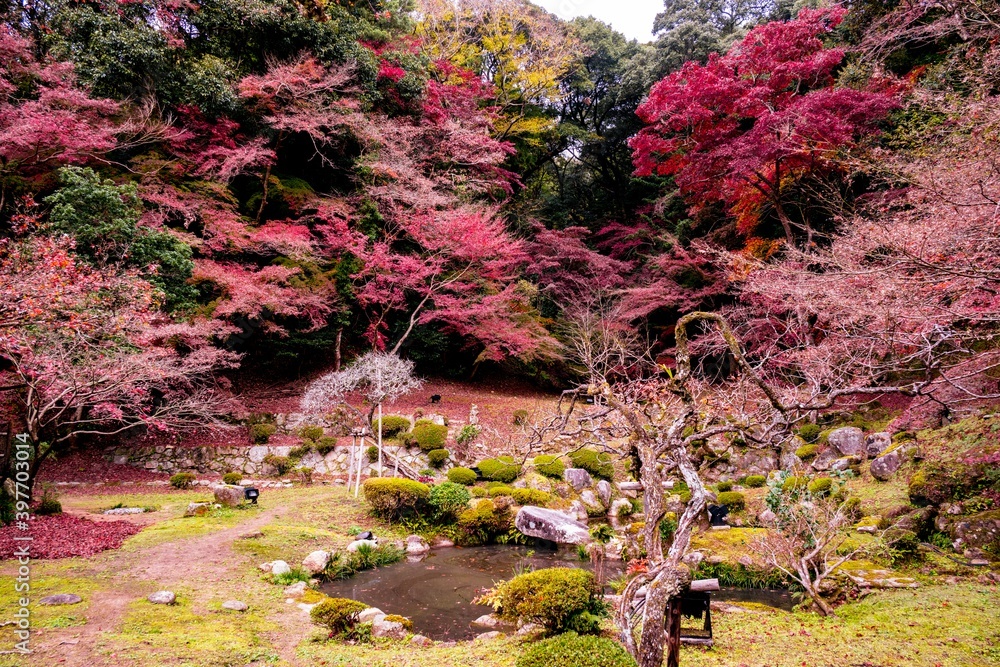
x=551 y=525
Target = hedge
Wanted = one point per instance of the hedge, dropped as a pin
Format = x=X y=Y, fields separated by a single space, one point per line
x=573 y=650
x=391 y=498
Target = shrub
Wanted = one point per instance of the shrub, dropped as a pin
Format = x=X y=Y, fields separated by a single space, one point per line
x=437 y=457
x=502 y=490
x=296 y=453
x=810 y=432
x=182 y=480
x=755 y=481
x=482 y=523
x=573 y=650
x=903 y=436
x=429 y=436
x=550 y=597
x=305 y=473
x=734 y=500
x=325 y=445
x=722 y=487
x=372 y=453
x=550 y=466
x=311 y=432
x=520 y=417
x=232 y=478
x=531 y=497
x=464 y=476
x=596 y=463
x=807 y=452
x=281 y=464
x=449 y=498
x=344 y=566
x=501 y=469
x=295 y=575
x=338 y=615
x=820 y=486
x=261 y=433
x=479 y=491
x=468 y=433
x=392 y=425
x=668 y=526
x=391 y=498
x=49 y=505
x=794 y=483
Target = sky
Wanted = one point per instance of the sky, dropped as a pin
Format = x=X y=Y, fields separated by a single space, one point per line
x=633 y=18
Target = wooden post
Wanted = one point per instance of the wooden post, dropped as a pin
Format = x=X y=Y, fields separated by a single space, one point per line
x=673 y=633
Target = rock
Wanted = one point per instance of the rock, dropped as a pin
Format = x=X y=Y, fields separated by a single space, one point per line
x=228 y=496
x=420 y=640
x=252 y=535
x=767 y=517
x=604 y=492
x=918 y=521
x=849 y=441
x=976 y=531
x=198 y=509
x=296 y=590
x=61 y=599
x=531 y=630
x=675 y=505
x=488 y=636
x=577 y=511
x=825 y=459
x=845 y=462
x=316 y=562
x=353 y=546
x=370 y=614
x=551 y=525
x=876 y=443
x=578 y=478
x=389 y=629
x=589 y=499
x=416 y=545
x=885 y=466
x=162 y=597
x=235 y=605
x=618 y=506
x=487 y=622
x=124 y=510
x=264 y=567
x=441 y=543
x=280 y=567
x=693 y=559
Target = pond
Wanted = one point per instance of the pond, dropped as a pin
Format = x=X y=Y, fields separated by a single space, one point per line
x=436 y=593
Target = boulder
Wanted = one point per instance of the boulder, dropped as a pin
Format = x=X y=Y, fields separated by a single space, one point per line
x=316 y=562
x=845 y=462
x=235 y=605
x=353 y=546
x=789 y=461
x=977 y=531
x=590 y=499
x=849 y=441
x=388 y=629
x=578 y=478
x=228 y=496
x=416 y=545
x=488 y=636
x=885 y=466
x=577 y=511
x=60 y=599
x=162 y=597
x=198 y=509
x=825 y=459
x=604 y=492
x=441 y=543
x=296 y=590
x=487 y=622
x=531 y=630
x=619 y=506
x=370 y=614
x=876 y=443
x=551 y=525
x=420 y=640
x=280 y=567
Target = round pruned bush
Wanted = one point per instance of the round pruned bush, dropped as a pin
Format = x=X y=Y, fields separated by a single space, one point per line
x=520 y=417
x=734 y=500
x=392 y=425
x=182 y=480
x=794 y=483
x=232 y=478
x=596 y=463
x=372 y=453
x=261 y=433
x=820 y=486
x=573 y=650
x=810 y=432
x=501 y=490
x=463 y=476
x=311 y=432
x=501 y=469
x=325 y=445
x=555 y=598
x=549 y=465
x=449 y=499
x=338 y=615
x=531 y=497
x=722 y=487
x=437 y=457
x=807 y=452
x=429 y=436
x=755 y=481
x=479 y=492
x=392 y=498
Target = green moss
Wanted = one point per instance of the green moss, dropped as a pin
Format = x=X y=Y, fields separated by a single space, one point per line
x=573 y=650
x=755 y=481
x=500 y=469
x=734 y=500
x=550 y=466
x=596 y=463
x=820 y=486
x=392 y=425
x=810 y=433
x=807 y=452
x=437 y=457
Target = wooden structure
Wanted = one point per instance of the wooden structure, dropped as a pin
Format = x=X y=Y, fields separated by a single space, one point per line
x=695 y=603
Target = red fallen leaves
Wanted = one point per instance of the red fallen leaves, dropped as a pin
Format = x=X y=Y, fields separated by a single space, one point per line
x=63 y=536
x=89 y=467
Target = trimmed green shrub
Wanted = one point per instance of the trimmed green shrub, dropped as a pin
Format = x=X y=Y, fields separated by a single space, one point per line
x=372 y=453
x=549 y=465
x=531 y=497
x=794 y=483
x=820 y=486
x=392 y=498
x=296 y=453
x=520 y=417
x=810 y=432
x=464 y=476
x=232 y=478
x=325 y=445
x=482 y=523
x=502 y=490
x=755 y=481
x=502 y=469
x=392 y=425
x=437 y=457
x=479 y=492
x=573 y=650
x=722 y=487
x=182 y=480
x=429 y=436
x=807 y=452
x=734 y=500
x=338 y=615
x=468 y=433
x=311 y=432
x=449 y=498
x=261 y=433
x=549 y=597
x=596 y=463
x=281 y=464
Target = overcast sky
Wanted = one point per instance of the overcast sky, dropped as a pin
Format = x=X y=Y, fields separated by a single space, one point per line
x=634 y=18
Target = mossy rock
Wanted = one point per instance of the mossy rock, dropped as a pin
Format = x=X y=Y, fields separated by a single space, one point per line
x=807 y=452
